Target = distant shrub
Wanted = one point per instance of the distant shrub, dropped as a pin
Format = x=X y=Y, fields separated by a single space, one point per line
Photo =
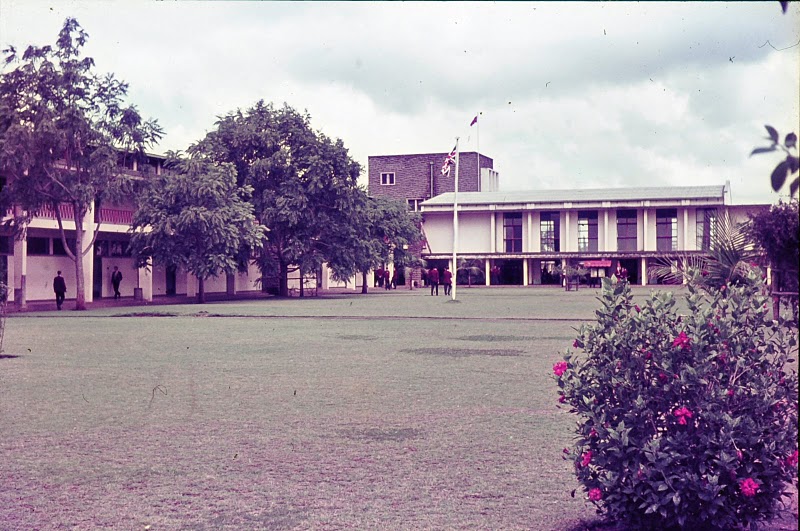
x=684 y=421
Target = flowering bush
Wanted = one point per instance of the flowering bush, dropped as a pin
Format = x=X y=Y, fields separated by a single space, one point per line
x=684 y=420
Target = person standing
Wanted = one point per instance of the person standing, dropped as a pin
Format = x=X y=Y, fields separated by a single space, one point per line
x=116 y=279
x=433 y=278
x=60 y=289
x=387 y=279
x=447 y=281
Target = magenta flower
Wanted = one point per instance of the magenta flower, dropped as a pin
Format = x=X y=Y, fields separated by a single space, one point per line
x=683 y=342
x=748 y=487
x=562 y=399
x=576 y=344
x=593 y=433
x=560 y=368
x=792 y=459
x=682 y=413
x=595 y=494
x=637 y=308
x=586 y=458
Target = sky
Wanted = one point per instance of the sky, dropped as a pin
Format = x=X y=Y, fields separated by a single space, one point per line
x=570 y=94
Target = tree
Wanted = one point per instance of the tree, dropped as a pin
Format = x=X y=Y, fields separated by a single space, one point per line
x=62 y=132
x=302 y=182
x=787 y=167
x=379 y=229
x=196 y=218
x=776 y=233
x=471 y=269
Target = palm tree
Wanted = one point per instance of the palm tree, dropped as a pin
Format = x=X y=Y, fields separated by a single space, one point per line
x=470 y=268
x=727 y=261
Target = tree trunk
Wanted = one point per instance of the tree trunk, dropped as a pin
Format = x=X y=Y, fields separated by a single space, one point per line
x=201 y=290
x=283 y=288
x=364 y=282
x=302 y=284
x=80 y=294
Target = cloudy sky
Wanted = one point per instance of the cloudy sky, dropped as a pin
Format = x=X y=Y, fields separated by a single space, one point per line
x=596 y=94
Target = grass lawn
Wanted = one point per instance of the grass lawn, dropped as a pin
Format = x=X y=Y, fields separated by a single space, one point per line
x=394 y=410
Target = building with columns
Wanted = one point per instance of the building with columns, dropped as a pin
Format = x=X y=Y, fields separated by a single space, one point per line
x=527 y=235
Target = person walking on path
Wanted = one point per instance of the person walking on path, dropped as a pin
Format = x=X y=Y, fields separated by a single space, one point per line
x=60 y=289
x=433 y=278
x=116 y=279
x=447 y=281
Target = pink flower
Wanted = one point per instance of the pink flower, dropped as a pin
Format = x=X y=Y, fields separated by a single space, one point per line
x=792 y=459
x=575 y=344
x=560 y=368
x=593 y=433
x=682 y=413
x=730 y=392
x=595 y=494
x=562 y=399
x=586 y=458
x=748 y=487
x=682 y=341
x=637 y=308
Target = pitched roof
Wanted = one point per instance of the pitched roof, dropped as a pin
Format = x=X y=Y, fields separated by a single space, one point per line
x=581 y=195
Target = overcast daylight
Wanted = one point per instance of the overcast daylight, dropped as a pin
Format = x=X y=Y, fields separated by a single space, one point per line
x=570 y=95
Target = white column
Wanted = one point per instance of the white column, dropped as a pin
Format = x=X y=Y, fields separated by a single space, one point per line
x=685 y=229
x=529 y=240
x=524 y=271
x=493 y=229
x=644 y=230
x=21 y=270
x=605 y=230
x=566 y=230
x=191 y=285
x=145 y=282
x=488 y=271
x=88 y=258
x=644 y=272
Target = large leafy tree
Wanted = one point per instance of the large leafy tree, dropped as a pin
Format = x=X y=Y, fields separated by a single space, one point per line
x=63 y=129
x=302 y=182
x=379 y=228
x=195 y=217
x=776 y=231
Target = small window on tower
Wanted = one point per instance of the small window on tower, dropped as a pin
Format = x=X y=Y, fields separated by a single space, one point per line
x=387 y=179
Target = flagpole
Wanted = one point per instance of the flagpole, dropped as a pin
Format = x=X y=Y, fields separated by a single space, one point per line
x=478 y=146
x=455 y=230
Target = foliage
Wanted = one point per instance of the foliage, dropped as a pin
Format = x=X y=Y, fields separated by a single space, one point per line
x=727 y=261
x=61 y=133
x=776 y=232
x=380 y=230
x=469 y=270
x=683 y=420
x=787 y=167
x=196 y=218
x=302 y=182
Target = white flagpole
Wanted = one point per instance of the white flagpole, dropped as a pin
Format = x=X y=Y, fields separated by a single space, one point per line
x=478 y=146
x=455 y=229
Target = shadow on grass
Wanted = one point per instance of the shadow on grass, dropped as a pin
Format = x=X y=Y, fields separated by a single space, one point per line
x=490 y=337
x=465 y=352
x=145 y=314
x=381 y=434
x=8 y=356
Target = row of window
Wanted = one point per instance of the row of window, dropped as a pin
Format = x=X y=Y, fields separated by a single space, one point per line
x=627 y=231
x=54 y=246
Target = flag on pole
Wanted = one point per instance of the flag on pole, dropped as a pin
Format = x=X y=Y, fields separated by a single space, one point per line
x=450 y=160
x=474 y=121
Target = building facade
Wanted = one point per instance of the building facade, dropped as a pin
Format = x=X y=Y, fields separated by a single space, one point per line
x=525 y=238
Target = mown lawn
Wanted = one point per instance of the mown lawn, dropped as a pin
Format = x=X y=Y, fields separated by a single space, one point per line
x=387 y=411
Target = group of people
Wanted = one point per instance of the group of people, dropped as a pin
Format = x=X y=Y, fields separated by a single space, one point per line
x=60 y=286
x=434 y=280
x=385 y=279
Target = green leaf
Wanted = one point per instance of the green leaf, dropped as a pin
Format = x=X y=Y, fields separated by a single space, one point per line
x=778 y=176
x=773 y=133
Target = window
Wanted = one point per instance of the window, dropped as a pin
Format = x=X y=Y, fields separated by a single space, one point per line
x=512 y=232
x=6 y=245
x=58 y=246
x=387 y=179
x=413 y=204
x=666 y=229
x=587 y=231
x=38 y=245
x=706 y=220
x=549 y=227
x=626 y=230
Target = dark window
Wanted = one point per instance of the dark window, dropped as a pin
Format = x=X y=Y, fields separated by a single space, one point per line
x=58 y=246
x=587 y=231
x=387 y=178
x=6 y=245
x=413 y=204
x=666 y=229
x=512 y=232
x=549 y=228
x=626 y=230
x=706 y=219
x=38 y=245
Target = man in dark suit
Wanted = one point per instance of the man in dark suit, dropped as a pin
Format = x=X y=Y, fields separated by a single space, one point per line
x=60 y=289
x=116 y=278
